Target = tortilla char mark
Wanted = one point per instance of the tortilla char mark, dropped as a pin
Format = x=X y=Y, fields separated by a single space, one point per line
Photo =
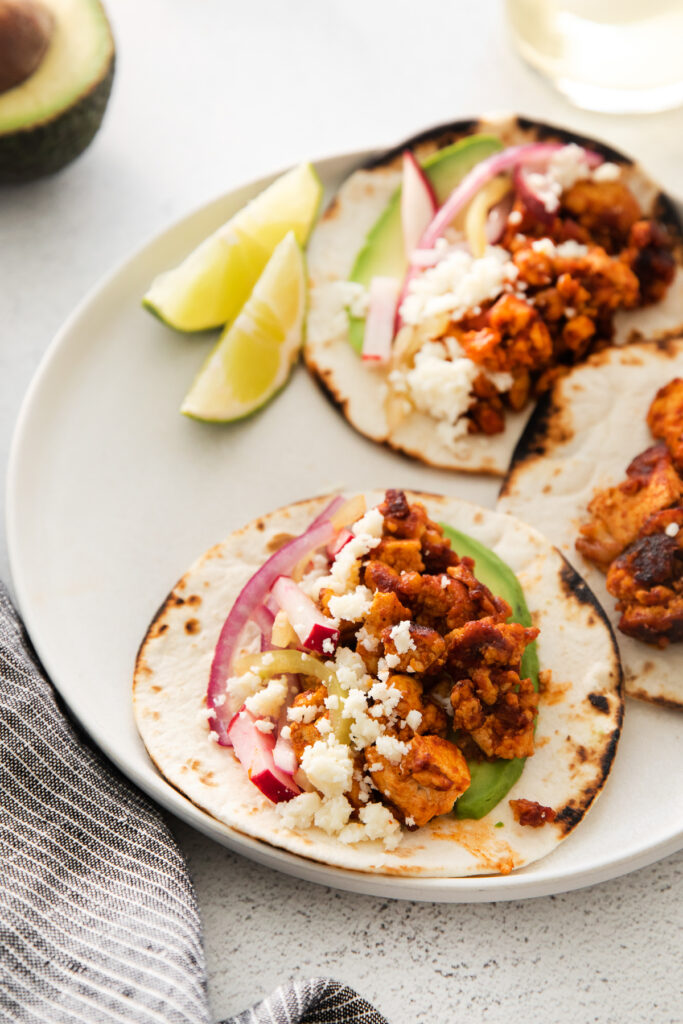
x=569 y=816
x=593 y=764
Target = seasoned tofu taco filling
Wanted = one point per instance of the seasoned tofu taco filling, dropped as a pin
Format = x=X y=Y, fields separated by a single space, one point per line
x=483 y=334
x=453 y=282
x=387 y=668
x=634 y=533
x=388 y=682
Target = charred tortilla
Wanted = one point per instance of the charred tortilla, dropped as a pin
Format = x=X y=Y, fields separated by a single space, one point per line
x=359 y=389
x=581 y=439
x=577 y=732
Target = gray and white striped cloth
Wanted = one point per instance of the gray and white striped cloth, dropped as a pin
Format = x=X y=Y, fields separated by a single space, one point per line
x=98 y=917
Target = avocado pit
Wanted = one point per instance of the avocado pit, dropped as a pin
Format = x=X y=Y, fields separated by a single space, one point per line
x=26 y=29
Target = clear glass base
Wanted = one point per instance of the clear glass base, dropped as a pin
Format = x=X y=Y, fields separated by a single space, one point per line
x=617 y=58
x=615 y=101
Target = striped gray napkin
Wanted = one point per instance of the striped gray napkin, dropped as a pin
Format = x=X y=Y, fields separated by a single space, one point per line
x=98 y=917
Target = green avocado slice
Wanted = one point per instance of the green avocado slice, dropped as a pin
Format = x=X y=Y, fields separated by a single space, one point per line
x=48 y=119
x=491 y=780
x=382 y=253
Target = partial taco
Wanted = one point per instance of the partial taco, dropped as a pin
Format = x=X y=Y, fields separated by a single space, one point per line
x=454 y=278
x=600 y=471
x=394 y=683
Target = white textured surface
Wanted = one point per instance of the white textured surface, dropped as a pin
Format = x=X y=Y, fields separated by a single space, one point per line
x=206 y=96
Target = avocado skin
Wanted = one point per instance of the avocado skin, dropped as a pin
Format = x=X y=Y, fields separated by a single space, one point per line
x=44 y=148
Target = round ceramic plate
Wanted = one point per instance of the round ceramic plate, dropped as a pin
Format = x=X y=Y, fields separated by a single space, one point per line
x=112 y=494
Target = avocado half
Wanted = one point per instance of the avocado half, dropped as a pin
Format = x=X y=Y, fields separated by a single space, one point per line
x=48 y=119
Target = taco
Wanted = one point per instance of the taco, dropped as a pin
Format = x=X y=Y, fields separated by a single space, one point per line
x=599 y=470
x=357 y=682
x=438 y=314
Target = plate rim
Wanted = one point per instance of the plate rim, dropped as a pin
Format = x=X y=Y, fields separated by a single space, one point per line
x=481 y=888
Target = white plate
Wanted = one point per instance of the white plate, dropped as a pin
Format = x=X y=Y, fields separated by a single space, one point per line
x=112 y=494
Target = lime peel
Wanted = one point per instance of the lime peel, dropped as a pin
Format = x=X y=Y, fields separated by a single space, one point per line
x=211 y=285
x=254 y=355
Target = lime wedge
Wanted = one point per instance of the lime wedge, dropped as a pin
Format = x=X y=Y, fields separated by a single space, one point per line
x=254 y=355
x=211 y=285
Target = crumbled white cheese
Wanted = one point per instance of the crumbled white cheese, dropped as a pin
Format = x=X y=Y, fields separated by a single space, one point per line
x=364 y=730
x=304 y=713
x=456 y=284
x=367 y=640
x=286 y=732
x=269 y=700
x=333 y=814
x=546 y=246
x=323 y=726
x=351 y=607
x=345 y=566
x=264 y=725
x=607 y=172
x=400 y=634
x=501 y=381
x=328 y=765
x=672 y=530
x=350 y=670
x=414 y=719
x=565 y=167
x=330 y=304
x=328 y=645
x=382 y=670
x=219 y=701
x=438 y=386
x=571 y=249
x=392 y=660
x=410 y=821
x=515 y=217
x=212 y=736
x=319 y=567
x=353 y=833
x=389 y=697
x=241 y=687
x=300 y=811
x=331 y=702
x=392 y=749
x=380 y=824
x=370 y=525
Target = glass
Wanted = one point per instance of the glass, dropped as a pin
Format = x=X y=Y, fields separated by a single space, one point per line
x=617 y=56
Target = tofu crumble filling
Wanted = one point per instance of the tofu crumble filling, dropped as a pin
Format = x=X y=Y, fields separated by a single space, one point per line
x=377 y=748
x=483 y=334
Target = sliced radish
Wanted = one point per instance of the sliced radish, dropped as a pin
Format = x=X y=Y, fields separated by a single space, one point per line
x=338 y=542
x=532 y=195
x=418 y=203
x=254 y=750
x=284 y=756
x=315 y=631
x=381 y=318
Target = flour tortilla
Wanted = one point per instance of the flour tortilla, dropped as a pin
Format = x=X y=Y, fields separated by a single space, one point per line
x=578 y=726
x=581 y=439
x=358 y=389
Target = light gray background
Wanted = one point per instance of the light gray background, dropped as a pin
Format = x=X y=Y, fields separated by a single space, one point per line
x=208 y=94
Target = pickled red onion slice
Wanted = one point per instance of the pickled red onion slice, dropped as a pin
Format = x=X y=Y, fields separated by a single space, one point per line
x=253 y=594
